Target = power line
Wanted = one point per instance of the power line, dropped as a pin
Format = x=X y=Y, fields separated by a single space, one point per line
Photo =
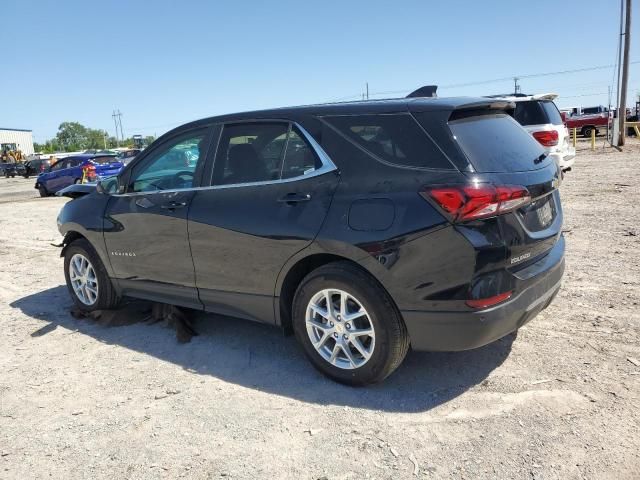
x=494 y=80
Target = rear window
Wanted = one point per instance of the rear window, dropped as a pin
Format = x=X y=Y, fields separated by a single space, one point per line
x=495 y=143
x=106 y=159
x=538 y=112
x=396 y=139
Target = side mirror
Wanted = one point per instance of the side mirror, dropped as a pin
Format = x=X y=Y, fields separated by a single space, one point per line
x=108 y=186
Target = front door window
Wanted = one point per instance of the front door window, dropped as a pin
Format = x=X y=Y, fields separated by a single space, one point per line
x=172 y=166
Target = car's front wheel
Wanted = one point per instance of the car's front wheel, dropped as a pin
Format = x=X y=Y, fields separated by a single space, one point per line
x=43 y=191
x=87 y=280
x=348 y=325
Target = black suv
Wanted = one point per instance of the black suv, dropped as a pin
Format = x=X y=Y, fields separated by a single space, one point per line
x=364 y=227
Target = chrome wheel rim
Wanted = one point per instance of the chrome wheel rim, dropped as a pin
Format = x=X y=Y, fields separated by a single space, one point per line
x=83 y=279
x=340 y=329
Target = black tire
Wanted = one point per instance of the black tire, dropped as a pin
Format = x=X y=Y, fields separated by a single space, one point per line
x=391 y=337
x=107 y=298
x=43 y=191
x=586 y=132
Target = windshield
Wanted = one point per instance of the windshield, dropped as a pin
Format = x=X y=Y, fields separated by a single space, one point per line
x=496 y=143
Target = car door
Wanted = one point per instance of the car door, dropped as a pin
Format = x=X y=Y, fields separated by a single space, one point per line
x=146 y=227
x=270 y=191
x=52 y=179
x=71 y=172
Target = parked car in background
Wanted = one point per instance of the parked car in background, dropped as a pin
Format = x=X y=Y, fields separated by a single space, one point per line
x=539 y=115
x=35 y=167
x=125 y=156
x=8 y=169
x=366 y=227
x=586 y=120
x=75 y=169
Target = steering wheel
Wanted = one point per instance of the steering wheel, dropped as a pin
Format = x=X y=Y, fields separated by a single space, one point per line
x=183 y=176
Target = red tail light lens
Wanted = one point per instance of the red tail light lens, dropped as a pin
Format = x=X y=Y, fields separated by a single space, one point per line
x=470 y=202
x=547 y=138
x=89 y=172
x=488 y=302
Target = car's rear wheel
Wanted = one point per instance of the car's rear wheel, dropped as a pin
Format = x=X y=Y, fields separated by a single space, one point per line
x=586 y=131
x=348 y=325
x=87 y=280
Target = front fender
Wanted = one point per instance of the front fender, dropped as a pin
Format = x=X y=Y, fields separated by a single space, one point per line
x=84 y=217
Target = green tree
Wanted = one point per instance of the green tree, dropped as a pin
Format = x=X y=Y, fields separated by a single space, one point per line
x=72 y=136
x=96 y=139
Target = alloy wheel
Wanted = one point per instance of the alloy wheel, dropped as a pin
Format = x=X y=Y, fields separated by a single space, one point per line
x=340 y=329
x=83 y=278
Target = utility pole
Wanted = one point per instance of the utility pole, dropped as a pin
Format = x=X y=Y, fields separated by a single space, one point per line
x=367 y=90
x=120 y=122
x=115 y=122
x=622 y=106
x=516 y=87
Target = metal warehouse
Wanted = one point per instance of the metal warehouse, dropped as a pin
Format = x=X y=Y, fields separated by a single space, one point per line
x=16 y=139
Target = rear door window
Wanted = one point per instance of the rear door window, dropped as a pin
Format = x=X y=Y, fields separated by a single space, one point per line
x=537 y=112
x=250 y=152
x=496 y=143
x=262 y=152
x=395 y=138
x=299 y=157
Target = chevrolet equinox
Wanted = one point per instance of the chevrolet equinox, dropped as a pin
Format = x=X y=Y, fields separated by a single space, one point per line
x=366 y=228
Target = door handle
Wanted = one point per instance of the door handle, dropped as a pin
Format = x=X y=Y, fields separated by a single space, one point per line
x=291 y=198
x=173 y=205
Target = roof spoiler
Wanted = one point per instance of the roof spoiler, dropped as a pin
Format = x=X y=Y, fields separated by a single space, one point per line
x=476 y=108
x=426 y=91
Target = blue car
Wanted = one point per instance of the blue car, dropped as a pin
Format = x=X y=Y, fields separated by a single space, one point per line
x=75 y=169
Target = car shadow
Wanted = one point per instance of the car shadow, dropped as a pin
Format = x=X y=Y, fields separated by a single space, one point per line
x=260 y=357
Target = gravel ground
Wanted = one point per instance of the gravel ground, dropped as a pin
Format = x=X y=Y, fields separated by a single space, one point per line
x=559 y=400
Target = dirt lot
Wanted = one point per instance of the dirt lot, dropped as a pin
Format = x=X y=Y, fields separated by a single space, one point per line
x=560 y=400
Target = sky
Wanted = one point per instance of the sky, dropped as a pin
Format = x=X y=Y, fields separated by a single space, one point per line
x=163 y=63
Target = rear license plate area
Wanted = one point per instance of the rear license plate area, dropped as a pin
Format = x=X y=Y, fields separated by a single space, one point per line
x=540 y=214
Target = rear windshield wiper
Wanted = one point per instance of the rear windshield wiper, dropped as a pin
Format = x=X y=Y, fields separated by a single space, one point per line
x=540 y=158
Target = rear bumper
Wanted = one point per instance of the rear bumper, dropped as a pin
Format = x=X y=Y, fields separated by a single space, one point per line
x=565 y=160
x=455 y=331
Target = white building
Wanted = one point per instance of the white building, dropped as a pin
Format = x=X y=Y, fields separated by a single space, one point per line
x=17 y=138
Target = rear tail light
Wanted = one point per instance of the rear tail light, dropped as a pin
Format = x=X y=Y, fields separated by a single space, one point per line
x=471 y=202
x=89 y=173
x=547 y=138
x=489 y=302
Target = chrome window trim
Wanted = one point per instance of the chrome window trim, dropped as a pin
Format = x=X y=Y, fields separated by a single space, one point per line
x=327 y=166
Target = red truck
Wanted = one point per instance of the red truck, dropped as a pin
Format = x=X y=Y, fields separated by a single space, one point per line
x=585 y=120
